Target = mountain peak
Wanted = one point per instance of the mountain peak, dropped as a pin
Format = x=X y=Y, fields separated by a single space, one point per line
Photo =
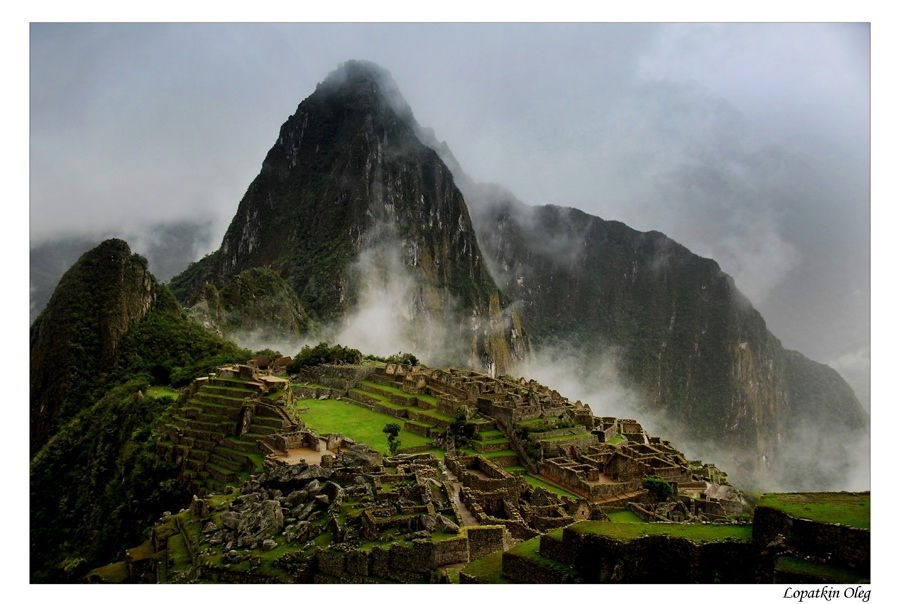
x=366 y=81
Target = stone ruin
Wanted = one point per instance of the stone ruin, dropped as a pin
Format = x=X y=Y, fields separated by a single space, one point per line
x=359 y=519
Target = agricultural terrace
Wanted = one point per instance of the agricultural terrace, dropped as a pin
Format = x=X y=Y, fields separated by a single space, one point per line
x=824 y=573
x=850 y=509
x=362 y=425
x=695 y=533
x=487 y=569
x=625 y=516
x=365 y=426
x=162 y=392
x=537 y=482
x=530 y=550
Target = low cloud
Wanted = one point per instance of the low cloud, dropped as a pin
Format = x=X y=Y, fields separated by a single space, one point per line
x=394 y=310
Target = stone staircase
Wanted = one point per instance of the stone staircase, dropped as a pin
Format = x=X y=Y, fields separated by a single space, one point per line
x=206 y=438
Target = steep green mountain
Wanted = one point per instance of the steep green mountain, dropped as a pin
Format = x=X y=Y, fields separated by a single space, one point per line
x=97 y=483
x=681 y=333
x=109 y=332
x=349 y=207
x=76 y=338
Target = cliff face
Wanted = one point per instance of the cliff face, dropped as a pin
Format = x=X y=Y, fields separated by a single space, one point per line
x=348 y=203
x=97 y=302
x=681 y=333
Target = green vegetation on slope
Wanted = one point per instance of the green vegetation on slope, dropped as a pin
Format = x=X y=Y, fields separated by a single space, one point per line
x=168 y=349
x=97 y=484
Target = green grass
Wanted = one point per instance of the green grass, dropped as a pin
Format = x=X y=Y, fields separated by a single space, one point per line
x=162 y=392
x=531 y=551
x=624 y=516
x=564 y=437
x=178 y=552
x=696 y=533
x=820 y=573
x=360 y=424
x=537 y=482
x=258 y=461
x=487 y=569
x=850 y=509
x=615 y=440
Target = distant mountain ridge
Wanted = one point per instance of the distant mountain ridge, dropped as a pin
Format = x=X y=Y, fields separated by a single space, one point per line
x=679 y=329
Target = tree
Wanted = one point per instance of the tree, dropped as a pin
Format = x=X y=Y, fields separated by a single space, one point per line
x=460 y=430
x=658 y=487
x=393 y=431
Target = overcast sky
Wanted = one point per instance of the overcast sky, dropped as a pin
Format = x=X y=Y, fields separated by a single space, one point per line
x=748 y=143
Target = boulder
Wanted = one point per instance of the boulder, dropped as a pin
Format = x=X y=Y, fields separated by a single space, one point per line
x=427 y=522
x=231 y=520
x=263 y=520
x=446 y=525
x=295 y=498
x=316 y=472
x=306 y=511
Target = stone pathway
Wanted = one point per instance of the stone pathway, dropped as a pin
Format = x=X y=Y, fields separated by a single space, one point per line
x=466 y=517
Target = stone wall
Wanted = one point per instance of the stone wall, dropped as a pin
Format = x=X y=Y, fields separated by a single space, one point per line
x=837 y=544
x=316 y=393
x=412 y=562
x=527 y=570
x=483 y=540
x=652 y=559
x=284 y=441
x=339 y=377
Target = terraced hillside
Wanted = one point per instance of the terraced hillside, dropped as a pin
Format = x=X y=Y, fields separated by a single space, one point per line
x=216 y=433
x=422 y=415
